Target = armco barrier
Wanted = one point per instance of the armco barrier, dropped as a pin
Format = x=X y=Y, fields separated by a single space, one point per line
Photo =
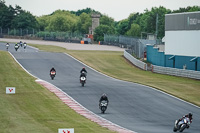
x=176 y=72
x=135 y=61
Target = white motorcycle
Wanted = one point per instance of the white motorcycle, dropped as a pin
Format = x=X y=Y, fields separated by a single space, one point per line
x=181 y=125
x=103 y=106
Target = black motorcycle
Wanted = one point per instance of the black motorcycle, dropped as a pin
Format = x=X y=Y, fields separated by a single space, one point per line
x=83 y=79
x=103 y=106
x=16 y=47
x=52 y=74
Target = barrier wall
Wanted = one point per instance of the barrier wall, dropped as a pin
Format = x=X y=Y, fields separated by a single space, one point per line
x=135 y=61
x=176 y=72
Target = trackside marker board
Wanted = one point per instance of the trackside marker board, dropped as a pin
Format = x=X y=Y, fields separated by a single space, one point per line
x=71 y=130
x=10 y=90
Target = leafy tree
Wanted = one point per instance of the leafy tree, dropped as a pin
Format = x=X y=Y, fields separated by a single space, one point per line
x=43 y=22
x=122 y=27
x=84 y=23
x=24 y=20
x=87 y=11
x=105 y=20
x=62 y=21
x=147 y=20
x=187 y=9
x=101 y=30
x=134 y=31
x=132 y=19
x=6 y=15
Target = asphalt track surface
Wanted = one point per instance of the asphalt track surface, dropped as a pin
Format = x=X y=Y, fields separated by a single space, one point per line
x=136 y=107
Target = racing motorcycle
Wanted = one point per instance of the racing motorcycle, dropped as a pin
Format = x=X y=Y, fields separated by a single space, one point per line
x=181 y=125
x=7 y=46
x=103 y=106
x=16 y=47
x=52 y=74
x=83 y=79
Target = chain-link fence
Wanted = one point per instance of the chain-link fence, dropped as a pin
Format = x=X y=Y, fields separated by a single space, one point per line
x=37 y=34
x=135 y=46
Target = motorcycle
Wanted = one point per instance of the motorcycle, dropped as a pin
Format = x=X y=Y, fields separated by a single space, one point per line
x=24 y=45
x=181 y=125
x=7 y=46
x=103 y=106
x=52 y=74
x=83 y=79
x=16 y=47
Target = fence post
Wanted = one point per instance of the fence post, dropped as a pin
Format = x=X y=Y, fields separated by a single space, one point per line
x=21 y=31
x=1 y=31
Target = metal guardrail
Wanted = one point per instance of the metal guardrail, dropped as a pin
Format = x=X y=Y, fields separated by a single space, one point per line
x=176 y=72
x=135 y=61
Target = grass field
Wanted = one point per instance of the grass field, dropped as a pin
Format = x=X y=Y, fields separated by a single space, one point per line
x=34 y=109
x=115 y=65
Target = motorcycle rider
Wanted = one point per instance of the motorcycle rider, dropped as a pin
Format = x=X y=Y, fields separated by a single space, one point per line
x=189 y=115
x=7 y=45
x=83 y=74
x=16 y=46
x=103 y=97
x=21 y=44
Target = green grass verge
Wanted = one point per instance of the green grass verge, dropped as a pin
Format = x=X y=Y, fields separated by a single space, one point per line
x=33 y=108
x=115 y=65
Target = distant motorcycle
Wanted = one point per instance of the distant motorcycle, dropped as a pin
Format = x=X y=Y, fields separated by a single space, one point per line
x=25 y=45
x=181 y=125
x=103 y=106
x=52 y=74
x=16 y=47
x=83 y=78
x=7 y=46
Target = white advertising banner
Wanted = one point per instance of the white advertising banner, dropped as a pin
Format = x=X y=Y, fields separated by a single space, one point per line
x=10 y=90
x=71 y=130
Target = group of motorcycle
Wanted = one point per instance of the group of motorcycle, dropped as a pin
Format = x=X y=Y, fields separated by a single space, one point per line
x=180 y=125
x=103 y=102
x=17 y=45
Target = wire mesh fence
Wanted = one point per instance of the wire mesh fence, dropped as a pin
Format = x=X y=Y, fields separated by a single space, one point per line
x=45 y=35
x=135 y=46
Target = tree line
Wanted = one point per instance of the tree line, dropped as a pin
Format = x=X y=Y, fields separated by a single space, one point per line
x=80 y=21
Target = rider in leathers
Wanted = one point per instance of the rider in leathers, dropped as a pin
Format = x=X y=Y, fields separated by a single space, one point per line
x=188 y=116
x=103 y=97
x=83 y=74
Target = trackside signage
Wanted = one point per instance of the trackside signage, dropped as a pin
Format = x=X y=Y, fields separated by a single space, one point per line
x=71 y=130
x=10 y=90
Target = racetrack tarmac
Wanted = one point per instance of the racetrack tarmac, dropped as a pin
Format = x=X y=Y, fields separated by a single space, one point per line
x=133 y=106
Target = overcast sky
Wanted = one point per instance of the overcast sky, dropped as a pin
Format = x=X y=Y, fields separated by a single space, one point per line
x=117 y=9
